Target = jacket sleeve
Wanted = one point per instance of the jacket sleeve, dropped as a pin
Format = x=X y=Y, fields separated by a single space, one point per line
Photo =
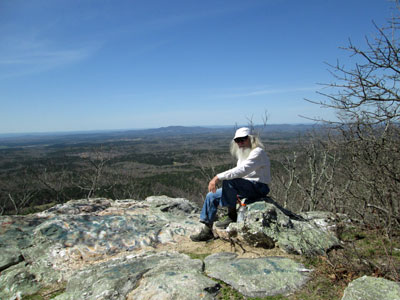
x=253 y=162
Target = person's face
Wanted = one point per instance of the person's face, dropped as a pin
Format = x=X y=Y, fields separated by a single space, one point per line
x=243 y=142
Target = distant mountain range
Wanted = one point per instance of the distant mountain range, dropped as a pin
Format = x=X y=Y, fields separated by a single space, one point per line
x=23 y=139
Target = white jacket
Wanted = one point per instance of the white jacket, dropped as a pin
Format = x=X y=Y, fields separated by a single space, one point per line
x=256 y=167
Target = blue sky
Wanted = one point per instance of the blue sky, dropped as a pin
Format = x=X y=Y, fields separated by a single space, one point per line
x=68 y=65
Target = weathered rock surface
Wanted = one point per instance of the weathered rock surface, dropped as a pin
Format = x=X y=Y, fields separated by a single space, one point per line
x=259 y=277
x=46 y=248
x=104 y=249
x=371 y=288
x=144 y=276
x=268 y=225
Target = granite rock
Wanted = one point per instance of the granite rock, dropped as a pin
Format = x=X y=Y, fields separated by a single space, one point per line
x=148 y=275
x=371 y=288
x=269 y=225
x=259 y=277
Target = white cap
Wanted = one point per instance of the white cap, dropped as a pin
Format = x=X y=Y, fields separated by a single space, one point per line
x=242 y=132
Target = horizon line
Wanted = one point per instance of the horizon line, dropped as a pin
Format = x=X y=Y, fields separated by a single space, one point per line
x=13 y=134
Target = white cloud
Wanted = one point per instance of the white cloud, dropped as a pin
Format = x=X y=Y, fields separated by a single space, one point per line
x=49 y=58
x=268 y=91
x=23 y=59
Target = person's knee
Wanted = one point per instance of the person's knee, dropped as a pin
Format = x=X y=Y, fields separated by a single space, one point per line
x=212 y=198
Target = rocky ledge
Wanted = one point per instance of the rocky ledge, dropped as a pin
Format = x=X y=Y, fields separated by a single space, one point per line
x=104 y=249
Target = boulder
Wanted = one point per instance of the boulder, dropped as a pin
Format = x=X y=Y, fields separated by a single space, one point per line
x=267 y=225
x=258 y=277
x=149 y=275
x=372 y=288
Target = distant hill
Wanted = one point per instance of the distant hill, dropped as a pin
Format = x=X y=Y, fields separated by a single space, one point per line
x=32 y=139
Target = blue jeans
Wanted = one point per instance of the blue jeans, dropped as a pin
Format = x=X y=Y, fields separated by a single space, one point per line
x=227 y=196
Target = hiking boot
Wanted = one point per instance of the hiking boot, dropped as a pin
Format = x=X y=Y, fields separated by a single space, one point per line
x=204 y=235
x=224 y=223
x=231 y=217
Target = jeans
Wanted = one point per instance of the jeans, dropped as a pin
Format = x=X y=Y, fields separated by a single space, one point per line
x=227 y=196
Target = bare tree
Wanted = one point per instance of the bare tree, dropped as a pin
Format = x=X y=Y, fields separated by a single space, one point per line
x=307 y=180
x=53 y=177
x=123 y=183
x=94 y=164
x=207 y=165
x=288 y=179
x=366 y=98
x=18 y=193
x=320 y=163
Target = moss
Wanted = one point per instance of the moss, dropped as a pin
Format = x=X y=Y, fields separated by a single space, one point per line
x=56 y=293
x=33 y=297
x=320 y=287
x=228 y=293
x=197 y=255
x=46 y=293
x=312 y=261
x=277 y=297
x=351 y=234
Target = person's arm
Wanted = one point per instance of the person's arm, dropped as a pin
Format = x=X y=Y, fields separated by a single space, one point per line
x=253 y=162
x=212 y=185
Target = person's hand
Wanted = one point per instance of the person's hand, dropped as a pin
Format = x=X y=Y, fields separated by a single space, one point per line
x=212 y=185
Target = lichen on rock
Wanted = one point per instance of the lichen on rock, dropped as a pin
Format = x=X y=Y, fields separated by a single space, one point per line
x=269 y=225
x=259 y=277
x=371 y=288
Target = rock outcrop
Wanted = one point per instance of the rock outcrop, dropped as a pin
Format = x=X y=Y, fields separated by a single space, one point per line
x=269 y=225
x=46 y=249
x=164 y=275
x=258 y=277
x=371 y=288
x=104 y=249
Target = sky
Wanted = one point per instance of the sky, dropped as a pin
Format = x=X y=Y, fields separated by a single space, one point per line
x=78 y=65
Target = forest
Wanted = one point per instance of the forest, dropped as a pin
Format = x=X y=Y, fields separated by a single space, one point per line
x=38 y=171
